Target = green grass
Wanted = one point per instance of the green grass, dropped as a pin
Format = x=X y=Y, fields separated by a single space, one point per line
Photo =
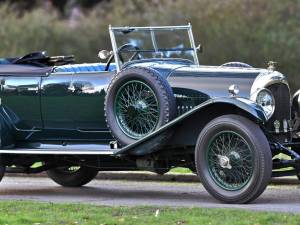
x=180 y=170
x=24 y=212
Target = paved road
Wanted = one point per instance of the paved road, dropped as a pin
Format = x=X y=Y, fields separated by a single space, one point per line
x=115 y=193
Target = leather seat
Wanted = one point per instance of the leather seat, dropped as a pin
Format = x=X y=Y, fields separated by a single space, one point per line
x=85 y=67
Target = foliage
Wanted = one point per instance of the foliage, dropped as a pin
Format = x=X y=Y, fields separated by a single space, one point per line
x=22 y=212
x=253 y=31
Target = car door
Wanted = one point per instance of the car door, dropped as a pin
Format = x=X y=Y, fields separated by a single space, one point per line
x=20 y=97
x=57 y=101
x=90 y=89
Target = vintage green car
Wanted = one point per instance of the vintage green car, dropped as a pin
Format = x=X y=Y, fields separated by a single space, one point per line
x=150 y=106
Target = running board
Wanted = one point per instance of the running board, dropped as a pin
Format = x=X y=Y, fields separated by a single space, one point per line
x=91 y=149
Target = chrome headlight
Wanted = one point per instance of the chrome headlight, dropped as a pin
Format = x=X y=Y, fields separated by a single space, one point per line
x=266 y=100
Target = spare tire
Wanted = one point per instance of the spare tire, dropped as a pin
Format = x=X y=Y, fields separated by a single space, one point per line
x=138 y=101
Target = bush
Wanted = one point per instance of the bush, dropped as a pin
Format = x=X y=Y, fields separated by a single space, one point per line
x=253 y=31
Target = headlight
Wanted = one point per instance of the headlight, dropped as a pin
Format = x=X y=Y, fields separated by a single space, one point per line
x=266 y=100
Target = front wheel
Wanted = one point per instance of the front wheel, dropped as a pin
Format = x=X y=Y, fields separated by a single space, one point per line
x=72 y=176
x=233 y=159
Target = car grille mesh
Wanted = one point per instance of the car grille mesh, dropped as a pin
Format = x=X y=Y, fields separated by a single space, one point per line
x=282 y=111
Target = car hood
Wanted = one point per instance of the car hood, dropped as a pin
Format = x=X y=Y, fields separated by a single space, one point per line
x=208 y=81
x=214 y=81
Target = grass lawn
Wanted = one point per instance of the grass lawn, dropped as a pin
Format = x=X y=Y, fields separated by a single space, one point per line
x=180 y=170
x=34 y=213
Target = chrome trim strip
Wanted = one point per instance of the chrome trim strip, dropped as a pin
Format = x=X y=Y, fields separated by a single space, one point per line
x=295 y=95
x=93 y=131
x=192 y=42
x=182 y=27
x=267 y=78
x=153 y=40
x=57 y=152
x=114 y=47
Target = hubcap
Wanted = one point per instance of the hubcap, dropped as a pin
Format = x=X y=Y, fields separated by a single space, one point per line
x=224 y=162
x=136 y=109
x=230 y=160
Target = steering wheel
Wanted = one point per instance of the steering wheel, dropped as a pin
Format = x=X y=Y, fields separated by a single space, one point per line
x=128 y=46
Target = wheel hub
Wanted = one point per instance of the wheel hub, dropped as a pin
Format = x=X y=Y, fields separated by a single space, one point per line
x=135 y=109
x=224 y=162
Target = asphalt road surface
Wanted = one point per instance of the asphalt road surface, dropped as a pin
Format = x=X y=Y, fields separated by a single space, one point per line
x=131 y=193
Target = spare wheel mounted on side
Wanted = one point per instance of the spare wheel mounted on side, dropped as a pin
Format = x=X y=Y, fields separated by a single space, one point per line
x=138 y=101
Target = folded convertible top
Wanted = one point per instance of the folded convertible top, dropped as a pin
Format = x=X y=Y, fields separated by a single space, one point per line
x=15 y=69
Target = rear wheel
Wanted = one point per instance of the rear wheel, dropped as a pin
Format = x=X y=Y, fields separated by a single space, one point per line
x=233 y=159
x=72 y=176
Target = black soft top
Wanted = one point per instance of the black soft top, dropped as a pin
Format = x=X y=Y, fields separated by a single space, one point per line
x=26 y=70
x=32 y=64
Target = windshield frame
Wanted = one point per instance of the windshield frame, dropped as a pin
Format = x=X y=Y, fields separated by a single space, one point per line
x=152 y=30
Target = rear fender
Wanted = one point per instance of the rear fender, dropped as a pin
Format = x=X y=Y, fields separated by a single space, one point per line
x=188 y=126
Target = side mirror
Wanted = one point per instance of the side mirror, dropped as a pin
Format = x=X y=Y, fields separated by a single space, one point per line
x=199 y=48
x=104 y=54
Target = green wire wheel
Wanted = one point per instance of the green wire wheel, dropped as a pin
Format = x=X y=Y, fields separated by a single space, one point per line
x=136 y=109
x=230 y=160
x=138 y=102
x=233 y=159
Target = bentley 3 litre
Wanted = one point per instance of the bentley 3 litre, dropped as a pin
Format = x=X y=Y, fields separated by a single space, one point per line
x=150 y=106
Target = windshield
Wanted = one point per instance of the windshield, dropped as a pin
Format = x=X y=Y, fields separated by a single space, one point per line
x=135 y=43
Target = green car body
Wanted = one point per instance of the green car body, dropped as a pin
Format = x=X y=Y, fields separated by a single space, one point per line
x=57 y=112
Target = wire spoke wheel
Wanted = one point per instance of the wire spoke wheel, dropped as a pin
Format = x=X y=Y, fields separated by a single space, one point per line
x=230 y=160
x=233 y=159
x=136 y=108
x=138 y=101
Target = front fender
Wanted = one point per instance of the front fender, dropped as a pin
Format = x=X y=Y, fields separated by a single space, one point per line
x=188 y=126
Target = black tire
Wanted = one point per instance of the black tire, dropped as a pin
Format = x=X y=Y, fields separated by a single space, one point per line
x=78 y=178
x=236 y=64
x=160 y=171
x=2 y=168
x=160 y=87
x=2 y=172
x=261 y=157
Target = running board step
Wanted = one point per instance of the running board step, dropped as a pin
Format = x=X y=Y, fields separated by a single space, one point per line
x=63 y=150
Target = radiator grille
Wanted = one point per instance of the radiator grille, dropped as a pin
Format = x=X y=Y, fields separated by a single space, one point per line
x=282 y=111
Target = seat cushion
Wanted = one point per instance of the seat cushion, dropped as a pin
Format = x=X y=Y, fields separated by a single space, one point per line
x=85 y=67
